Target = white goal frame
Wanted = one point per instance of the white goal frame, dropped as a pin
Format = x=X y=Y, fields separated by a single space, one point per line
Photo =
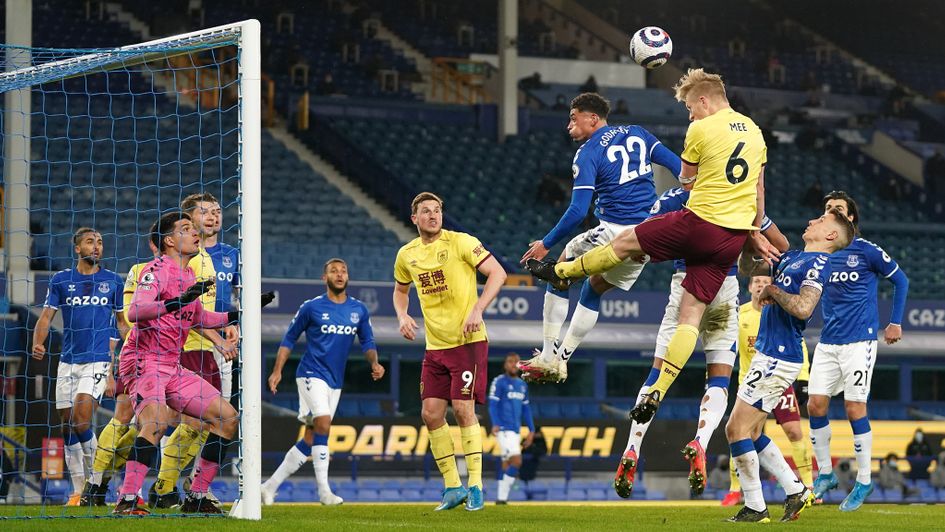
x=247 y=36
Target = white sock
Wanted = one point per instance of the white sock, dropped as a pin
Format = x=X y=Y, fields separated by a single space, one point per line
x=638 y=430
x=96 y=477
x=583 y=320
x=772 y=460
x=714 y=403
x=750 y=478
x=553 y=314
x=320 y=461
x=820 y=440
x=75 y=461
x=863 y=449
x=505 y=486
x=293 y=461
x=88 y=453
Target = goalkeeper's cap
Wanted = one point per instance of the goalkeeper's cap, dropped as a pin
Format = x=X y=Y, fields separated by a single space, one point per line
x=164 y=226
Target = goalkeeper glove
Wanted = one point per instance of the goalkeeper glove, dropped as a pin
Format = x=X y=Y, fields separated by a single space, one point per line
x=267 y=298
x=189 y=296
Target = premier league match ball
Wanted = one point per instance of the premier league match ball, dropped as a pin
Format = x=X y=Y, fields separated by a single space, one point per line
x=651 y=47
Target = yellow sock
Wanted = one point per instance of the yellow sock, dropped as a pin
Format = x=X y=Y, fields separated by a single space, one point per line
x=194 y=449
x=472 y=448
x=802 y=461
x=441 y=444
x=123 y=447
x=597 y=260
x=678 y=352
x=172 y=461
x=735 y=485
x=107 y=442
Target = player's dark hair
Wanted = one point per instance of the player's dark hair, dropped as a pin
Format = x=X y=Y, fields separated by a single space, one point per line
x=849 y=230
x=164 y=226
x=189 y=203
x=591 y=102
x=421 y=197
x=81 y=232
x=852 y=209
x=331 y=261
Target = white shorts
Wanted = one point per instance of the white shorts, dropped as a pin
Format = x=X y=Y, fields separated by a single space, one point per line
x=622 y=275
x=90 y=379
x=718 y=337
x=316 y=399
x=510 y=443
x=226 y=375
x=846 y=368
x=766 y=380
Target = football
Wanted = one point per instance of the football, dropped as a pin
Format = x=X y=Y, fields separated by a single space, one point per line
x=651 y=47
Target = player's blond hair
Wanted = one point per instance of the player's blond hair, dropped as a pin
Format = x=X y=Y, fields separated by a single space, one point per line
x=421 y=197
x=698 y=82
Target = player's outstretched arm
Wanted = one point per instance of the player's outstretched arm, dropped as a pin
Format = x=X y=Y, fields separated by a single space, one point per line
x=276 y=376
x=800 y=305
x=495 y=278
x=408 y=327
x=572 y=217
x=41 y=332
x=893 y=332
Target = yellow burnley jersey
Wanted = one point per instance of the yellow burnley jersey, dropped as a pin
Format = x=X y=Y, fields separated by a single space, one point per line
x=444 y=273
x=202 y=265
x=131 y=283
x=749 y=321
x=730 y=151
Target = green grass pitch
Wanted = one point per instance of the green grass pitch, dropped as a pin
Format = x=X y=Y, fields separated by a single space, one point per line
x=670 y=515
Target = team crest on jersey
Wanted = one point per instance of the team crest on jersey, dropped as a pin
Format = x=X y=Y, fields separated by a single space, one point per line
x=797 y=265
x=853 y=261
x=104 y=287
x=442 y=256
x=355 y=317
x=227 y=262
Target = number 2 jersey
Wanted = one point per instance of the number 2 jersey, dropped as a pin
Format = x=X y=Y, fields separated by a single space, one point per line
x=849 y=304
x=781 y=335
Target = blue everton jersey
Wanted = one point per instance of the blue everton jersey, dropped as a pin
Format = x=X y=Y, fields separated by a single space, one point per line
x=615 y=162
x=88 y=304
x=849 y=304
x=329 y=329
x=226 y=264
x=508 y=403
x=780 y=334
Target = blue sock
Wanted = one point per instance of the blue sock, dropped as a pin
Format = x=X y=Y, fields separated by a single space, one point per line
x=652 y=377
x=86 y=436
x=819 y=422
x=721 y=382
x=559 y=293
x=511 y=471
x=71 y=438
x=320 y=439
x=741 y=447
x=303 y=447
x=589 y=297
x=762 y=442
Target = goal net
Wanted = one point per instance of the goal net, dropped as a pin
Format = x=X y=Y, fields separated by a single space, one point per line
x=111 y=140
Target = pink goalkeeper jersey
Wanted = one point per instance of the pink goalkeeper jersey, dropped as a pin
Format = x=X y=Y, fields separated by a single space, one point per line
x=159 y=335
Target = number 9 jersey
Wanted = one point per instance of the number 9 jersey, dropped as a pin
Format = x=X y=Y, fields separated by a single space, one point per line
x=730 y=152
